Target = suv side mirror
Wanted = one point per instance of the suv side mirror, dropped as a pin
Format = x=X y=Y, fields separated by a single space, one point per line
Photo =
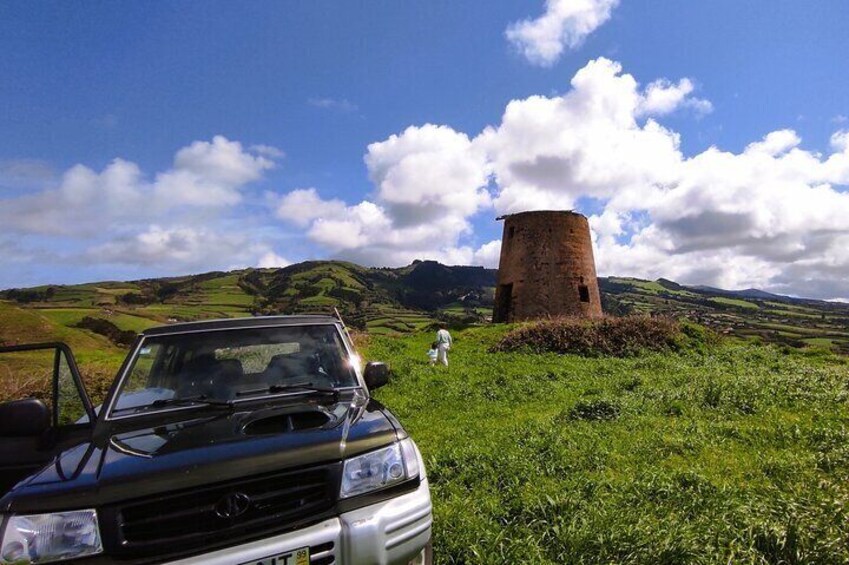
x=29 y=417
x=376 y=374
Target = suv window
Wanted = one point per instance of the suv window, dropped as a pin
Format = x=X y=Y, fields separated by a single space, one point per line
x=218 y=365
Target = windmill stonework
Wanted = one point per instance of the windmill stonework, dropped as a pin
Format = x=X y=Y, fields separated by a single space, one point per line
x=546 y=268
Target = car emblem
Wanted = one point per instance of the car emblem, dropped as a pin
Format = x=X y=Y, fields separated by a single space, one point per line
x=232 y=505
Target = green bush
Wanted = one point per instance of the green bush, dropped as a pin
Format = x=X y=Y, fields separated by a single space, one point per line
x=619 y=337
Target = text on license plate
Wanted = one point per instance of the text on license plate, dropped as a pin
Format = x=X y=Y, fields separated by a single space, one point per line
x=300 y=556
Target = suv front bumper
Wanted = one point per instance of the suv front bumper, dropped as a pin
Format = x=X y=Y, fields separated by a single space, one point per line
x=390 y=532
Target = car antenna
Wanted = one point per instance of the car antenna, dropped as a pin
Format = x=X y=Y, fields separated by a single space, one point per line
x=341 y=321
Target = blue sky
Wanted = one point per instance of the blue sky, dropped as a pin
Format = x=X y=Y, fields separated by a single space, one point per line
x=299 y=94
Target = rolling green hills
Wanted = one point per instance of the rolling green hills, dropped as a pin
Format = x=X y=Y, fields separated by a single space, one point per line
x=403 y=300
x=734 y=452
x=751 y=314
x=408 y=299
x=377 y=300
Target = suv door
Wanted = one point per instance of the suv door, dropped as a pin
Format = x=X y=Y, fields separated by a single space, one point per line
x=48 y=411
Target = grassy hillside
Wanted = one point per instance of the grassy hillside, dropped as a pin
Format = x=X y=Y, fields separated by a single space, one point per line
x=380 y=300
x=25 y=374
x=728 y=453
x=751 y=315
x=738 y=453
x=409 y=299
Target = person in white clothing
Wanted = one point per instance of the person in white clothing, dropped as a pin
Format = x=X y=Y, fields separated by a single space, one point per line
x=443 y=341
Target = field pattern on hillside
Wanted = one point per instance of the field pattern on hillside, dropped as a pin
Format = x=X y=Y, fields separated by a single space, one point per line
x=413 y=298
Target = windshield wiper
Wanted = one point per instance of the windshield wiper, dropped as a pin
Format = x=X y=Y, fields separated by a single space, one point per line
x=305 y=388
x=182 y=401
x=192 y=400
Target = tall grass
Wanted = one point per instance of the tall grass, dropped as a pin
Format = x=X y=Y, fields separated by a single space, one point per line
x=726 y=454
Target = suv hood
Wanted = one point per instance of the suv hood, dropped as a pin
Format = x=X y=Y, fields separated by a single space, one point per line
x=203 y=448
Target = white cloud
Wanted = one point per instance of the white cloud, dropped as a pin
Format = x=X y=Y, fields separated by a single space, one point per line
x=564 y=25
x=82 y=204
x=303 y=205
x=271 y=260
x=770 y=216
x=205 y=175
x=427 y=173
x=428 y=181
x=338 y=104
x=175 y=222
x=549 y=151
x=210 y=173
x=840 y=141
x=267 y=151
x=185 y=247
x=662 y=97
x=488 y=254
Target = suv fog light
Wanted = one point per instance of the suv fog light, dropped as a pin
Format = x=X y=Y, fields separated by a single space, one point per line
x=50 y=537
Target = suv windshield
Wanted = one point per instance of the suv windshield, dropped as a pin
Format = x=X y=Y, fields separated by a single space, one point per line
x=233 y=365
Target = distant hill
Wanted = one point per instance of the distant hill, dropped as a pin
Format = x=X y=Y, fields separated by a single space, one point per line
x=378 y=299
x=748 y=314
x=746 y=293
x=411 y=298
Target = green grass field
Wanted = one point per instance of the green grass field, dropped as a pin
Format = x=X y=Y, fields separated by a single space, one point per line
x=735 y=302
x=735 y=454
x=732 y=453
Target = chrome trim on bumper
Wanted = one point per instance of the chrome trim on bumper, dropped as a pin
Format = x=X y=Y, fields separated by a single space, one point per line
x=327 y=531
x=392 y=532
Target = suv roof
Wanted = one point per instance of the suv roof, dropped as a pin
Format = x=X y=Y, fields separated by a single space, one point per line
x=236 y=323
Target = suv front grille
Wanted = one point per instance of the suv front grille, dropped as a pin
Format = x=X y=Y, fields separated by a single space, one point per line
x=217 y=514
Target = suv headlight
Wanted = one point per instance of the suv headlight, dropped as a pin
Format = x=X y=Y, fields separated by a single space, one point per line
x=380 y=469
x=40 y=538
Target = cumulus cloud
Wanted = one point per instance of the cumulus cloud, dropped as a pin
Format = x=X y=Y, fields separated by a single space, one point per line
x=428 y=173
x=119 y=215
x=563 y=25
x=550 y=151
x=186 y=247
x=428 y=182
x=488 y=254
x=205 y=175
x=82 y=203
x=770 y=216
x=663 y=97
x=271 y=260
x=210 y=173
x=303 y=205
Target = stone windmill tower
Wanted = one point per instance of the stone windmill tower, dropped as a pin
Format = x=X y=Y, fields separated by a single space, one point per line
x=546 y=268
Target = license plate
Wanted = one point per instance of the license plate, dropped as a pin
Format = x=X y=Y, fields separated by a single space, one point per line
x=300 y=556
